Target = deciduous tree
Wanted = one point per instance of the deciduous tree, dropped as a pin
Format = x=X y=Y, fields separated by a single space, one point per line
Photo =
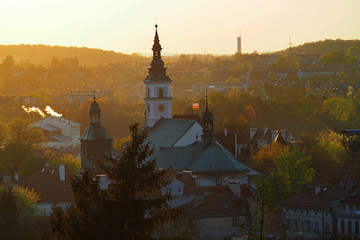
x=295 y=170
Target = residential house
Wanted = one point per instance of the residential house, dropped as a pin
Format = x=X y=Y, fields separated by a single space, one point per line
x=305 y=73
x=215 y=212
x=60 y=132
x=321 y=213
x=247 y=141
x=53 y=184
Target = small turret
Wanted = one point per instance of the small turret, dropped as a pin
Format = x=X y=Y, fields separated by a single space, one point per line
x=208 y=122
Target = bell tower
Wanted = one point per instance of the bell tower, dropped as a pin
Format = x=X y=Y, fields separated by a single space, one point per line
x=96 y=143
x=157 y=88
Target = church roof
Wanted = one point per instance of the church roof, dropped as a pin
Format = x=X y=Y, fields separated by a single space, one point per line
x=200 y=159
x=167 y=131
x=95 y=132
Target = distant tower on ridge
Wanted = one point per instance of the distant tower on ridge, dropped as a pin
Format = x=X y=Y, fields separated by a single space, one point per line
x=239 y=43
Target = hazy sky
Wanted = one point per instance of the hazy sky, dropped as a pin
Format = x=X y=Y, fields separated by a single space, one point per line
x=185 y=26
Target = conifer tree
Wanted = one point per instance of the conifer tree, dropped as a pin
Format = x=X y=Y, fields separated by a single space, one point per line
x=132 y=206
x=8 y=214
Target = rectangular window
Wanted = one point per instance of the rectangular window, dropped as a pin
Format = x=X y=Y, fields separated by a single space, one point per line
x=342 y=226
x=349 y=227
x=235 y=222
x=357 y=228
x=288 y=224
x=303 y=225
x=327 y=227
x=296 y=224
x=316 y=226
x=307 y=226
x=161 y=92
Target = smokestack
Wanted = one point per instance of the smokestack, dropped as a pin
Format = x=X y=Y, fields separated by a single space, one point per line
x=62 y=172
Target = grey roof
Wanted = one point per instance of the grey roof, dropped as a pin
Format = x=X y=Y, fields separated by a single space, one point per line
x=49 y=127
x=166 y=132
x=199 y=159
x=60 y=138
x=95 y=132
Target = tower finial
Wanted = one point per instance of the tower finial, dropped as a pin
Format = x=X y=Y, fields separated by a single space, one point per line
x=206 y=101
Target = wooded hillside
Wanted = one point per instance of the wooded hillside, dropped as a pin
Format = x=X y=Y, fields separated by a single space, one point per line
x=322 y=47
x=44 y=53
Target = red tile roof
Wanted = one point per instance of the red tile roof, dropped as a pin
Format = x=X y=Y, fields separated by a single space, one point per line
x=352 y=200
x=47 y=183
x=323 y=200
x=214 y=205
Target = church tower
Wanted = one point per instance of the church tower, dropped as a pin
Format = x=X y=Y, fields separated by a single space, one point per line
x=96 y=143
x=157 y=88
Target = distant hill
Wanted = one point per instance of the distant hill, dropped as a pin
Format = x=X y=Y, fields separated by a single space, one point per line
x=44 y=53
x=322 y=47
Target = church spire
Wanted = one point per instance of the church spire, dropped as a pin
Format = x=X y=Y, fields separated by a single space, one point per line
x=208 y=136
x=157 y=62
x=208 y=118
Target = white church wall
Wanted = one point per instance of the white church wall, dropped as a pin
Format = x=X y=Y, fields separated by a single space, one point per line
x=191 y=136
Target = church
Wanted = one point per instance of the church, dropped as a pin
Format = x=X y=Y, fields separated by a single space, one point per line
x=180 y=143
x=185 y=144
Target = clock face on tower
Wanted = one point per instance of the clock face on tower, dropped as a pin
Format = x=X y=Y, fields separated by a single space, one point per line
x=161 y=108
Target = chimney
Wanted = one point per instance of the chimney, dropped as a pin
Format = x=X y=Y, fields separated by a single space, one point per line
x=252 y=132
x=62 y=172
x=225 y=132
x=235 y=187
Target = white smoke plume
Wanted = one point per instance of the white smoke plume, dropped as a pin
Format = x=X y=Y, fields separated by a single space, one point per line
x=33 y=109
x=51 y=112
x=48 y=110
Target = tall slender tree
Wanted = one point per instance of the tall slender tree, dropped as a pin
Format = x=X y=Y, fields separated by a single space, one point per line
x=131 y=207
